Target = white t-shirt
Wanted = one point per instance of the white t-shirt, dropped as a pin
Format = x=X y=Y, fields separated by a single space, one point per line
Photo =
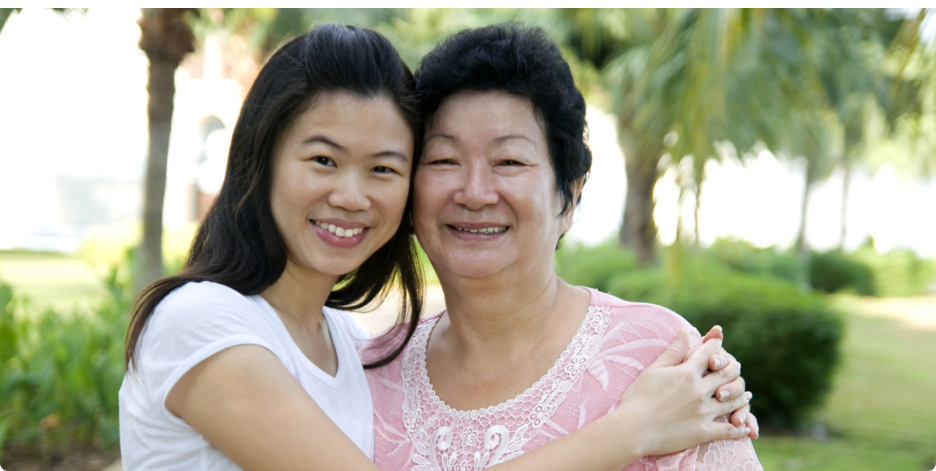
x=198 y=320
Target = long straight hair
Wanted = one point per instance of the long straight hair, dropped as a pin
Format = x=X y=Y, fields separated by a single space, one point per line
x=238 y=244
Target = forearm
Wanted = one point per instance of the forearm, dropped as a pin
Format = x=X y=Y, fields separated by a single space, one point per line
x=601 y=445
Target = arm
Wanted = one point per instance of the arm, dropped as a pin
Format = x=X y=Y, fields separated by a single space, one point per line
x=670 y=407
x=245 y=402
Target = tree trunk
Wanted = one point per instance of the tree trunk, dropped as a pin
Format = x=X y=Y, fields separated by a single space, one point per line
x=161 y=89
x=802 y=250
x=165 y=39
x=695 y=211
x=846 y=181
x=638 y=231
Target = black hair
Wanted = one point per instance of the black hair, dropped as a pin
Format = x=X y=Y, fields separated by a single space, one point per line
x=238 y=244
x=521 y=61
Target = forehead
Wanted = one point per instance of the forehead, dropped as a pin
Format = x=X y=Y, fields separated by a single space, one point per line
x=370 y=122
x=488 y=114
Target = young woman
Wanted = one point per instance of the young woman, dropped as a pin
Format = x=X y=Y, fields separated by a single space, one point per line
x=242 y=360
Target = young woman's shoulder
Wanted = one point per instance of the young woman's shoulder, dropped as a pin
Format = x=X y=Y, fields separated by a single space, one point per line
x=204 y=302
x=202 y=318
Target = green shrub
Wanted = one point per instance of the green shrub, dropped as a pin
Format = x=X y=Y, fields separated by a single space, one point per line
x=787 y=341
x=593 y=266
x=60 y=373
x=834 y=271
x=899 y=273
x=743 y=257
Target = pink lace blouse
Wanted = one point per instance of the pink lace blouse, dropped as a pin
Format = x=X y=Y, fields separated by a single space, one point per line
x=414 y=430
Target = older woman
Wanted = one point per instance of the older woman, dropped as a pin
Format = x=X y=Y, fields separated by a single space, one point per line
x=520 y=357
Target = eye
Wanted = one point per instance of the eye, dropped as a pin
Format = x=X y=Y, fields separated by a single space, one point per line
x=322 y=160
x=386 y=170
x=441 y=162
x=511 y=163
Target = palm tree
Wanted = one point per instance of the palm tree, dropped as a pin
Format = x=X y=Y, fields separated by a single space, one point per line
x=861 y=68
x=693 y=72
x=166 y=38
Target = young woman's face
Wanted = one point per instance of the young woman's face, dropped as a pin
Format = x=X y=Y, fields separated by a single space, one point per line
x=341 y=176
x=485 y=200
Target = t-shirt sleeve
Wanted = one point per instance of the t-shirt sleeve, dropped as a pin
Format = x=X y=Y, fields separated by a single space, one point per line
x=191 y=324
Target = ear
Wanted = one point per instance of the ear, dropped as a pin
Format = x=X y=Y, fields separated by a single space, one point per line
x=566 y=219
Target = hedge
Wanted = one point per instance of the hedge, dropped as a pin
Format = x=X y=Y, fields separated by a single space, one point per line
x=787 y=340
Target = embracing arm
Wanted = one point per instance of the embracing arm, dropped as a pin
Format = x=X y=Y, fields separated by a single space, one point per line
x=245 y=402
x=670 y=407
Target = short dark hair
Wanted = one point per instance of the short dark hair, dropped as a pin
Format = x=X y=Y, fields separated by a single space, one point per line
x=524 y=62
x=238 y=244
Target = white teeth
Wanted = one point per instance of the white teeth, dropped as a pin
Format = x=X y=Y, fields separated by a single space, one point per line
x=339 y=231
x=486 y=230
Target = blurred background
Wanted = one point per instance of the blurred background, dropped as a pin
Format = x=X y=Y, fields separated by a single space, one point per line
x=770 y=171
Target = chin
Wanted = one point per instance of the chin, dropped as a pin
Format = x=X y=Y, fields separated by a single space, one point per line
x=474 y=268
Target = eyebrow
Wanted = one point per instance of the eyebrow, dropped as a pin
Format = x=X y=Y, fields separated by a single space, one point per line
x=443 y=136
x=502 y=139
x=331 y=143
x=499 y=140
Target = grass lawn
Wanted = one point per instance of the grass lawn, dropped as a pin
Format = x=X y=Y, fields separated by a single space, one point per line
x=881 y=414
x=51 y=280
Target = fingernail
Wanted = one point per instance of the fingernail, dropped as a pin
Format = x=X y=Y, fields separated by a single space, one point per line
x=722 y=395
x=747 y=431
x=719 y=363
x=747 y=396
x=743 y=418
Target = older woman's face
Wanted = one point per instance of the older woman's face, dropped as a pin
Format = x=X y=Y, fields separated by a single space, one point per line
x=485 y=199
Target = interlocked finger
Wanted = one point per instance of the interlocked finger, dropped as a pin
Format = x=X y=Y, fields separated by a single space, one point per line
x=723 y=408
x=740 y=416
x=725 y=431
x=723 y=376
x=720 y=360
x=732 y=390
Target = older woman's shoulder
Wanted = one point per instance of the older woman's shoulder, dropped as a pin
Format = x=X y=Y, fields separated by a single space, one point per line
x=641 y=320
x=386 y=342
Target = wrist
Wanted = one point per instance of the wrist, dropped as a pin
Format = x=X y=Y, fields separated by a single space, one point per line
x=623 y=436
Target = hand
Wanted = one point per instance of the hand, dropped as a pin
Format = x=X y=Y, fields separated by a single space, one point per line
x=731 y=389
x=673 y=405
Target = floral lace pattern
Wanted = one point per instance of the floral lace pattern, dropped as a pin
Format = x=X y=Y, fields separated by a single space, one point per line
x=443 y=437
x=415 y=430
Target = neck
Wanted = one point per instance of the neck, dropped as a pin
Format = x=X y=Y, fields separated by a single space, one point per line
x=507 y=317
x=299 y=295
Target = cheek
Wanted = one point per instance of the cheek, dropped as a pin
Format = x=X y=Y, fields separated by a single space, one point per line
x=394 y=202
x=422 y=196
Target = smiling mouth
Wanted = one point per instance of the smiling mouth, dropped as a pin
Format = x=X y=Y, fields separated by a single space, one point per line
x=339 y=231
x=483 y=230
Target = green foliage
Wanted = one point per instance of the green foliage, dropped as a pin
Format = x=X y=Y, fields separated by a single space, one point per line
x=59 y=387
x=742 y=256
x=594 y=266
x=834 y=271
x=898 y=273
x=787 y=340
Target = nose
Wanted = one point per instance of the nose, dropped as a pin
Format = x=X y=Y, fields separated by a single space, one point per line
x=349 y=193
x=478 y=189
